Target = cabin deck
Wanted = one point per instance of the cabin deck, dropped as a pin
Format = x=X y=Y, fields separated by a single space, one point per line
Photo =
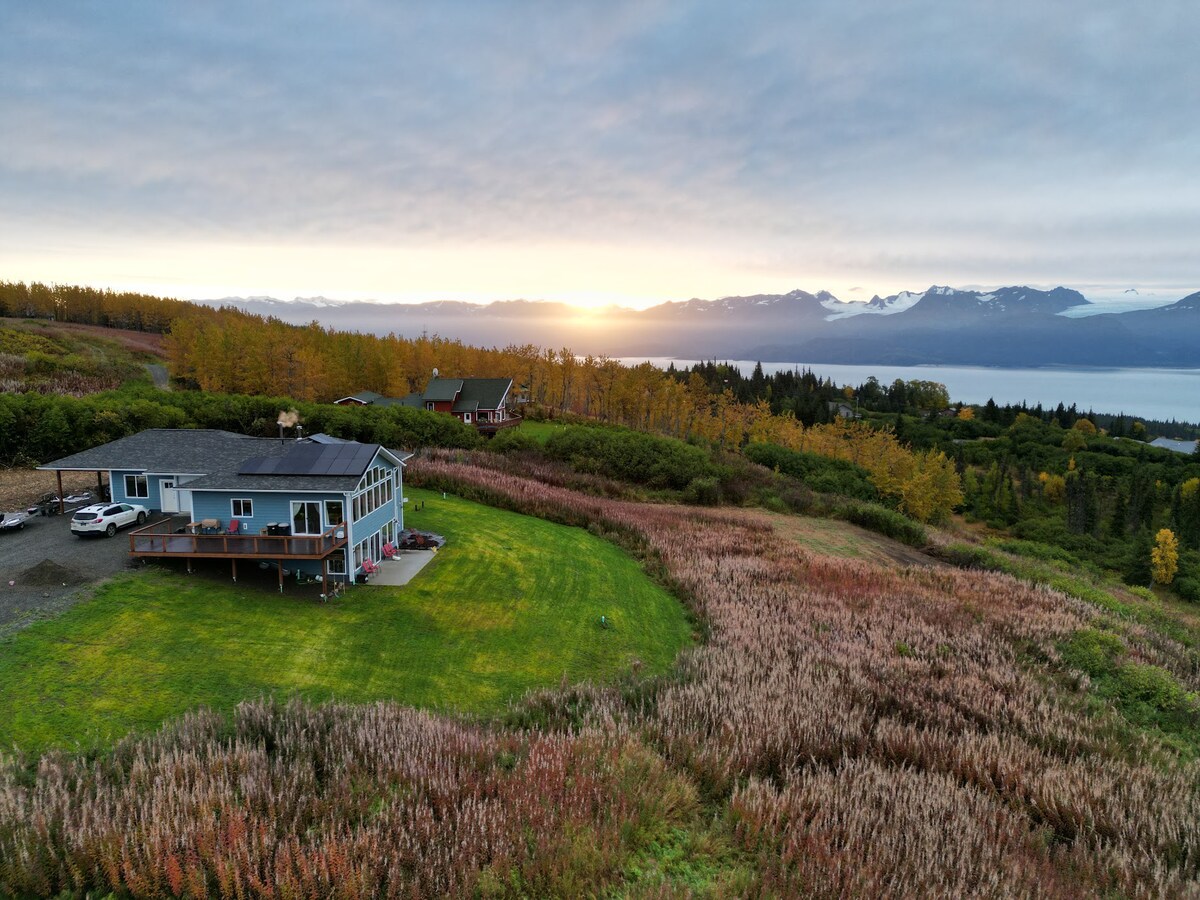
x=171 y=538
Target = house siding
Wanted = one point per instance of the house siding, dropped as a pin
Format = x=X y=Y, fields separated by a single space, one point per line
x=268 y=507
x=369 y=532
x=153 y=486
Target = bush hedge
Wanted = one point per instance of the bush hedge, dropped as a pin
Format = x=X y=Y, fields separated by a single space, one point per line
x=820 y=473
x=656 y=462
x=885 y=521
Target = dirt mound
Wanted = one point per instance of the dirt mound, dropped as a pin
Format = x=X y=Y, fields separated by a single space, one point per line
x=47 y=573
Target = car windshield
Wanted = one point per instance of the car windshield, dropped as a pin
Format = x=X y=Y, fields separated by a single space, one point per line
x=86 y=514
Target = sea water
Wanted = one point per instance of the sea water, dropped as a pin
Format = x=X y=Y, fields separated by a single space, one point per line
x=1161 y=394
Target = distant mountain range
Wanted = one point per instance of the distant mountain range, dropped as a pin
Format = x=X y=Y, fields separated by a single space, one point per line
x=1014 y=327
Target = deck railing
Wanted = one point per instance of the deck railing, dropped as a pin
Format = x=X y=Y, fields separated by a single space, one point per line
x=492 y=427
x=171 y=538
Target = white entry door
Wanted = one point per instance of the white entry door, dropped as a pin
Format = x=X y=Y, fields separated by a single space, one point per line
x=170 y=496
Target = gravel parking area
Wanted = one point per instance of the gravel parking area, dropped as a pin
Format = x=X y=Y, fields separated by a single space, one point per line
x=45 y=569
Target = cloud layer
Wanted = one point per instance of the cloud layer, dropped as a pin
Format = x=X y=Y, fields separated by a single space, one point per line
x=878 y=143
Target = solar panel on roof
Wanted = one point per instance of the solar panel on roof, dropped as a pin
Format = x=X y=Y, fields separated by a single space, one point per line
x=314 y=459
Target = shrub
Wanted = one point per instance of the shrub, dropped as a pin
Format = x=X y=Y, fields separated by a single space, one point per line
x=1093 y=651
x=513 y=440
x=703 y=492
x=967 y=556
x=1037 y=550
x=820 y=473
x=657 y=462
x=885 y=521
x=1188 y=588
x=1152 y=685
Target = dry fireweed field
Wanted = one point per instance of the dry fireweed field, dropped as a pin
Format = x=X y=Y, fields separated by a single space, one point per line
x=846 y=729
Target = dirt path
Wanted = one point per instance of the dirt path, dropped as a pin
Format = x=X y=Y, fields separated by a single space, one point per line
x=832 y=537
x=159 y=373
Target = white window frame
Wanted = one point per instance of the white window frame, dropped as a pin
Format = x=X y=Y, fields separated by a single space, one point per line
x=292 y=520
x=141 y=480
x=247 y=508
x=329 y=523
x=337 y=564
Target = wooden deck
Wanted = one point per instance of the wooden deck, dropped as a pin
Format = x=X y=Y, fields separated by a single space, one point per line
x=491 y=428
x=170 y=538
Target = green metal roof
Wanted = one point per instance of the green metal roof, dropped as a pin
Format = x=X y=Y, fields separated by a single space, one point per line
x=440 y=390
x=482 y=393
x=367 y=397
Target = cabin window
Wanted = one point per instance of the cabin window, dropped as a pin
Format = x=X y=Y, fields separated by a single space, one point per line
x=466 y=417
x=334 y=514
x=136 y=486
x=242 y=509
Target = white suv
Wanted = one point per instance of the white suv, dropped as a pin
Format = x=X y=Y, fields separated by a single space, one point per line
x=106 y=518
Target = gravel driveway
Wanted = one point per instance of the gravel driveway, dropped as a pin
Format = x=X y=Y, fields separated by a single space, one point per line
x=52 y=569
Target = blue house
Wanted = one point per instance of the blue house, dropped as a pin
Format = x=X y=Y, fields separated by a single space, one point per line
x=319 y=505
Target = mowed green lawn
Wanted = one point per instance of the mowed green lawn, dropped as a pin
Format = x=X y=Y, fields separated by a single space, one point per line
x=541 y=431
x=510 y=604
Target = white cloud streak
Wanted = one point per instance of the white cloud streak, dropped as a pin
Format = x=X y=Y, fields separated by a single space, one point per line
x=858 y=142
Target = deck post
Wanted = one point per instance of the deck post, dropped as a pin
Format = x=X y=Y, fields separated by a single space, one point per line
x=62 y=506
x=324 y=578
x=234 y=561
x=280 y=575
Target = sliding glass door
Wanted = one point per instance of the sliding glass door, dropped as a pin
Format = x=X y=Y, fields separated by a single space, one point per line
x=306 y=517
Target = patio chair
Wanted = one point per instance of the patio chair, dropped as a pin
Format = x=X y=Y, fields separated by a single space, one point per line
x=388 y=550
x=234 y=526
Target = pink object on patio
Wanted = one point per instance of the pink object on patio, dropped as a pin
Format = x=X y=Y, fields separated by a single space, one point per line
x=234 y=526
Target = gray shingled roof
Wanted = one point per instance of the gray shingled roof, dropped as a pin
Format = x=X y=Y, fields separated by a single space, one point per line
x=214 y=455
x=174 y=451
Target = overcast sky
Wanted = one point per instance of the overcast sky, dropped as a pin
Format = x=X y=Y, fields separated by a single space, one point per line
x=604 y=151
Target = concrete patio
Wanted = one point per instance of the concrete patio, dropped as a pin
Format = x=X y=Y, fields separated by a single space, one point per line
x=401 y=568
